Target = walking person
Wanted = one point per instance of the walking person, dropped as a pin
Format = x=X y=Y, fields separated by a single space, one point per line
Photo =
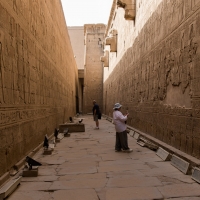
x=96 y=112
x=119 y=121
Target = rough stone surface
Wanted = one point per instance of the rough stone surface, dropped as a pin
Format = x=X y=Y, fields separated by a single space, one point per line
x=86 y=166
x=93 y=79
x=155 y=72
x=36 y=78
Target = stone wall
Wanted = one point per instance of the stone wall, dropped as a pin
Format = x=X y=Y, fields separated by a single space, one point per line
x=157 y=78
x=38 y=76
x=93 y=77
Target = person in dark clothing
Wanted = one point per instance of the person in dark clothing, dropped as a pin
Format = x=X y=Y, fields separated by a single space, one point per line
x=96 y=111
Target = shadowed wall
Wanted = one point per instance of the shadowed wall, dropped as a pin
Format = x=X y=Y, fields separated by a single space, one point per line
x=38 y=75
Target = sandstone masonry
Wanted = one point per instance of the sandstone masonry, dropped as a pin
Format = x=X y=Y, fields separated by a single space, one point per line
x=38 y=76
x=154 y=72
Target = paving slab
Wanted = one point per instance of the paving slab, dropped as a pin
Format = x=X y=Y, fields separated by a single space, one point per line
x=180 y=190
x=133 y=193
x=133 y=181
x=85 y=166
x=82 y=194
x=30 y=195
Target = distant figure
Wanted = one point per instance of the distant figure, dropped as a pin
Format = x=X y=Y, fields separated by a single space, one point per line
x=96 y=113
x=119 y=120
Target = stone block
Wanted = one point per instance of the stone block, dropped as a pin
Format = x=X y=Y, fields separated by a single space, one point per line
x=112 y=41
x=141 y=143
x=180 y=164
x=60 y=136
x=72 y=127
x=52 y=146
x=164 y=155
x=67 y=135
x=9 y=187
x=30 y=173
x=57 y=140
x=47 y=151
x=196 y=174
x=136 y=135
x=131 y=133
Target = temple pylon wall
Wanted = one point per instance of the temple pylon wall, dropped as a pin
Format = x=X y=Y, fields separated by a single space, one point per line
x=93 y=68
x=154 y=70
x=38 y=76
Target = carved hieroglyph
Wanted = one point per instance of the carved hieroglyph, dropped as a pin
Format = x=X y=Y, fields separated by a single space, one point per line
x=38 y=76
x=158 y=78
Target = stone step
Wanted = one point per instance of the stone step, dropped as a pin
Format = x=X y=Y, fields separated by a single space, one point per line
x=9 y=187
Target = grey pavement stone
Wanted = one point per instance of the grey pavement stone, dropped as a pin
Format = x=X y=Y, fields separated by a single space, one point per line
x=40 y=179
x=180 y=190
x=34 y=186
x=118 y=168
x=30 y=195
x=79 y=183
x=75 y=194
x=133 y=181
x=83 y=176
x=133 y=193
x=85 y=166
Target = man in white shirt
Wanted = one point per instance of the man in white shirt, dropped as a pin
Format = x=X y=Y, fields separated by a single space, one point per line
x=119 y=120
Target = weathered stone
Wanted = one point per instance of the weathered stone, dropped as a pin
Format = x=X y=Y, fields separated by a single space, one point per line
x=93 y=79
x=105 y=59
x=136 y=136
x=196 y=174
x=47 y=152
x=164 y=155
x=30 y=173
x=33 y=83
x=180 y=164
x=9 y=187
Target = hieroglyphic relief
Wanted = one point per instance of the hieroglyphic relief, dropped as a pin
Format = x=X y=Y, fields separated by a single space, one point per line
x=163 y=75
x=36 y=80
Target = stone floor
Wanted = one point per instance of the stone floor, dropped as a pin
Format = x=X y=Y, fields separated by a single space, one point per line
x=86 y=167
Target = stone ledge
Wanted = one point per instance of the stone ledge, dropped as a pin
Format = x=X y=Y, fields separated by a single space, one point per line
x=4 y=178
x=9 y=187
x=194 y=162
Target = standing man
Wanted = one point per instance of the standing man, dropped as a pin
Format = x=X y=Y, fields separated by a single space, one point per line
x=95 y=113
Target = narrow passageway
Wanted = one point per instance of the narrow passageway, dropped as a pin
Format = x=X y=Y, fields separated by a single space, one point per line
x=85 y=166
